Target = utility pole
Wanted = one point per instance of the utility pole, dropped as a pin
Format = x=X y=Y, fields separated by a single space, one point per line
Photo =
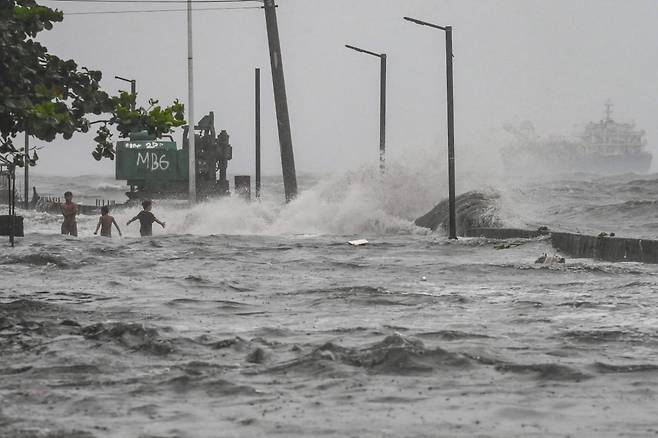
x=26 y=189
x=451 y=124
x=281 y=102
x=451 y=135
x=191 y=150
x=257 y=104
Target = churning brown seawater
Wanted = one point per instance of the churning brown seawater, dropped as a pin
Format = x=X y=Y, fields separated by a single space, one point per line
x=257 y=335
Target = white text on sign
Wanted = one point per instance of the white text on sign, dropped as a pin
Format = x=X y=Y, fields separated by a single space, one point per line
x=147 y=145
x=152 y=161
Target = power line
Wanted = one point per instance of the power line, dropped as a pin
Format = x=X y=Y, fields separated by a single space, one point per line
x=66 y=14
x=155 y=1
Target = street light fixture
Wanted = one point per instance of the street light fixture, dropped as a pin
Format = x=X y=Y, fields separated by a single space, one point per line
x=382 y=104
x=133 y=88
x=451 y=122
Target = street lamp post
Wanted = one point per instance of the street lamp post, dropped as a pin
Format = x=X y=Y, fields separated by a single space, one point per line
x=451 y=122
x=191 y=149
x=26 y=189
x=382 y=104
x=133 y=88
x=258 y=131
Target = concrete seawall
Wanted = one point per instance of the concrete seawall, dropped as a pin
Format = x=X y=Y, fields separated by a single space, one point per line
x=505 y=233
x=611 y=249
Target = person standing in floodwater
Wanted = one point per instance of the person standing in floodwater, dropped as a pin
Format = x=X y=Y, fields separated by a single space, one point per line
x=105 y=223
x=69 y=211
x=146 y=219
x=35 y=199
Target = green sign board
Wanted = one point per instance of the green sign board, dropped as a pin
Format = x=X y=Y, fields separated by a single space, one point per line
x=151 y=160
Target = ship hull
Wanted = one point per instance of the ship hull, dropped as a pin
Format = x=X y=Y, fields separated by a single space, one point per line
x=530 y=164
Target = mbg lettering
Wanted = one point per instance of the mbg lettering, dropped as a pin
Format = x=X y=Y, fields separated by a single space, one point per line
x=152 y=161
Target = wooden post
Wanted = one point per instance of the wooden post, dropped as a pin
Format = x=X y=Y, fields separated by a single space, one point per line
x=281 y=102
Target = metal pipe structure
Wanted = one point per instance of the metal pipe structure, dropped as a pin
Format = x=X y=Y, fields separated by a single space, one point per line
x=191 y=150
x=382 y=104
x=451 y=122
x=281 y=102
x=257 y=128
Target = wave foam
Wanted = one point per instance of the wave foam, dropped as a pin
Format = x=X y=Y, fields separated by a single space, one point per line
x=364 y=202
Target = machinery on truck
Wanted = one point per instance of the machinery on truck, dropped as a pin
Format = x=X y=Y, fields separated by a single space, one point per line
x=158 y=168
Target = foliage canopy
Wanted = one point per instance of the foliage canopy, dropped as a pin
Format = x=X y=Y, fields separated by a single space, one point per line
x=46 y=96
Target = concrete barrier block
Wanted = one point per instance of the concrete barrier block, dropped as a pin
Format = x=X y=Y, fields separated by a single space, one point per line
x=612 y=249
x=6 y=225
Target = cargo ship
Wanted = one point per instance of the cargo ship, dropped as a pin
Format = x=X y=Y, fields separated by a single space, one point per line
x=605 y=147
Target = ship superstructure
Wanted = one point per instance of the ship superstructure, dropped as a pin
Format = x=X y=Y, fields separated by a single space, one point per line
x=604 y=147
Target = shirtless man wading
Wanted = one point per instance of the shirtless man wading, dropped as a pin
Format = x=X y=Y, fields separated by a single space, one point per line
x=69 y=211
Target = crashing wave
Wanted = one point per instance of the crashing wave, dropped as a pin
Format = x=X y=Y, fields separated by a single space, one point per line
x=473 y=210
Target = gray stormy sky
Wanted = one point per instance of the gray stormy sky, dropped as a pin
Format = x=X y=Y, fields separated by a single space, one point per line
x=552 y=62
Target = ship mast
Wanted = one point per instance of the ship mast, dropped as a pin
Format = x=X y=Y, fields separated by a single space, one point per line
x=608 y=110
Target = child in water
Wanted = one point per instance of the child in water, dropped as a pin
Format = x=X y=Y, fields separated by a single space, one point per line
x=146 y=219
x=105 y=223
x=69 y=211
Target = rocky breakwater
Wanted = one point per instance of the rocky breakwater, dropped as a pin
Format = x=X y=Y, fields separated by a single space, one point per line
x=477 y=215
x=473 y=210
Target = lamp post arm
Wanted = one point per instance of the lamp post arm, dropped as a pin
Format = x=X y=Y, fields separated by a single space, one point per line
x=424 y=23
x=378 y=55
x=133 y=87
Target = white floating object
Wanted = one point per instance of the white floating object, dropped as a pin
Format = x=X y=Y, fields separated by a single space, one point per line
x=423 y=278
x=359 y=242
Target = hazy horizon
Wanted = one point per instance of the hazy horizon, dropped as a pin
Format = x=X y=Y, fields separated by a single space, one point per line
x=547 y=62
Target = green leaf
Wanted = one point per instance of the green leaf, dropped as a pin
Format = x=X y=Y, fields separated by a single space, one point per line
x=50 y=96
